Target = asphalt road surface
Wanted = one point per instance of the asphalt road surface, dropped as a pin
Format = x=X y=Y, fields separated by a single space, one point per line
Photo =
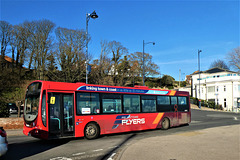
x=105 y=147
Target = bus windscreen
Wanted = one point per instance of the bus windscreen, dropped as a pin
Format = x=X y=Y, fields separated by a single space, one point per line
x=32 y=102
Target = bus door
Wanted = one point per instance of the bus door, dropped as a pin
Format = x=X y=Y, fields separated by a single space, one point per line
x=60 y=114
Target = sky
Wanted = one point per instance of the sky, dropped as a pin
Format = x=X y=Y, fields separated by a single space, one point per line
x=178 y=28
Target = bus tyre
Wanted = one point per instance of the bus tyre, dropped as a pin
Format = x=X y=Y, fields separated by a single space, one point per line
x=165 y=123
x=91 y=131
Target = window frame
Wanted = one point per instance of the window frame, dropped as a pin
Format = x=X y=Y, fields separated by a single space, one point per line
x=101 y=103
x=164 y=104
x=171 y=100
x=123 y=103
x=157 y=108
x=44 y=94
x=155 y=99
x=92 y=113
x=182 y=97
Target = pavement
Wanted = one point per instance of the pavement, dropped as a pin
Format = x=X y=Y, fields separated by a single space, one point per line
x=193 y=106
x=14 y=132
x=208 y=144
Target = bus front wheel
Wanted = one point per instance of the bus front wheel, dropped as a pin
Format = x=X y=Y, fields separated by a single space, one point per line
x=165 y=123
x=91 y=131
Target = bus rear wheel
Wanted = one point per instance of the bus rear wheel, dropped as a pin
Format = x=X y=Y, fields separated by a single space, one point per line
x=91 y=131
x=165 y=123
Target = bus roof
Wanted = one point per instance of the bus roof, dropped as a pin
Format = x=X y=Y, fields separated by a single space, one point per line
x=79 y=86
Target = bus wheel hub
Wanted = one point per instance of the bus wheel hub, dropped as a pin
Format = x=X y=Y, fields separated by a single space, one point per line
x=91 y=130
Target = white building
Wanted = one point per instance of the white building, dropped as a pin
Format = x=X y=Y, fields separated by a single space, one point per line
x=218 y=85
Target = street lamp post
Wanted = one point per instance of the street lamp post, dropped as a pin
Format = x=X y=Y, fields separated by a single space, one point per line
x=143 y=74
x=199 y=51
x=93 y=15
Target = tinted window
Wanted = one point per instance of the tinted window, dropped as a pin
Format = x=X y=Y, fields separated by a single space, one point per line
x=148 y=104
x=182 y=100
x=44 y=108
x=88 y=103
x=131 y=103
x=32 y=102
x=163 y=100
x=173 y=100
x=68 y=112
x=111 y=103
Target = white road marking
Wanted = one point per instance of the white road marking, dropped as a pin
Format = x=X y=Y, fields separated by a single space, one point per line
x=88 y=156
x=97 y=150
x=77 y=154
x=112 y=147
x=235 y=118
x=61 y=158
x=111 y=157
x=195 y=121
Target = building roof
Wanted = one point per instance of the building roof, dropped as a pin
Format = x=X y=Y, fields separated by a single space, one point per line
x=214 y=70
x=8 y=59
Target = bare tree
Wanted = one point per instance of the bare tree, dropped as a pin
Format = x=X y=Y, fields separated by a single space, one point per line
x=44 y=41
x=21 y=35
x=13 y=46
x=109 y=67
x=101 y=67
x=136 y=63
x=234 y=58
x=5 y=34
x=220 y=64
x=117 y=50
x=70 y=52
x=39 y=43
x=124 y=71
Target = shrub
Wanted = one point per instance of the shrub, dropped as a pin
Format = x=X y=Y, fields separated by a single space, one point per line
x=211 y=104
x=194 y=100
x=4 y=110
x=149 y=84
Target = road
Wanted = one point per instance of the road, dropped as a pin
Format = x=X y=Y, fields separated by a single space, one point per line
x=23 y=147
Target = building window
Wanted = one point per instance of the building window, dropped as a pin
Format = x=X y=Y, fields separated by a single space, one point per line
x=225 y=89
x=211 y=89
x=217 y=88
x=225 y=102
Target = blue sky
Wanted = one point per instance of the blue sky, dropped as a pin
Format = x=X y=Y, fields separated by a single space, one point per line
x=179 y=28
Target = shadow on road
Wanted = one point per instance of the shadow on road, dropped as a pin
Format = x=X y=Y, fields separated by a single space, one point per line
x=120 y=145
x=30 y=148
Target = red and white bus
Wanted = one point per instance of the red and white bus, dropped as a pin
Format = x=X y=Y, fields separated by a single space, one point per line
x=58 y=109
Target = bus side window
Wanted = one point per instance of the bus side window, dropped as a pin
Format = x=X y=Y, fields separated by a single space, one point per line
x=173 y=100
x=183 y=105
x=88 y=103
x=112 y=103
x=148 y=103
x=131 y=103
x=182 y=100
